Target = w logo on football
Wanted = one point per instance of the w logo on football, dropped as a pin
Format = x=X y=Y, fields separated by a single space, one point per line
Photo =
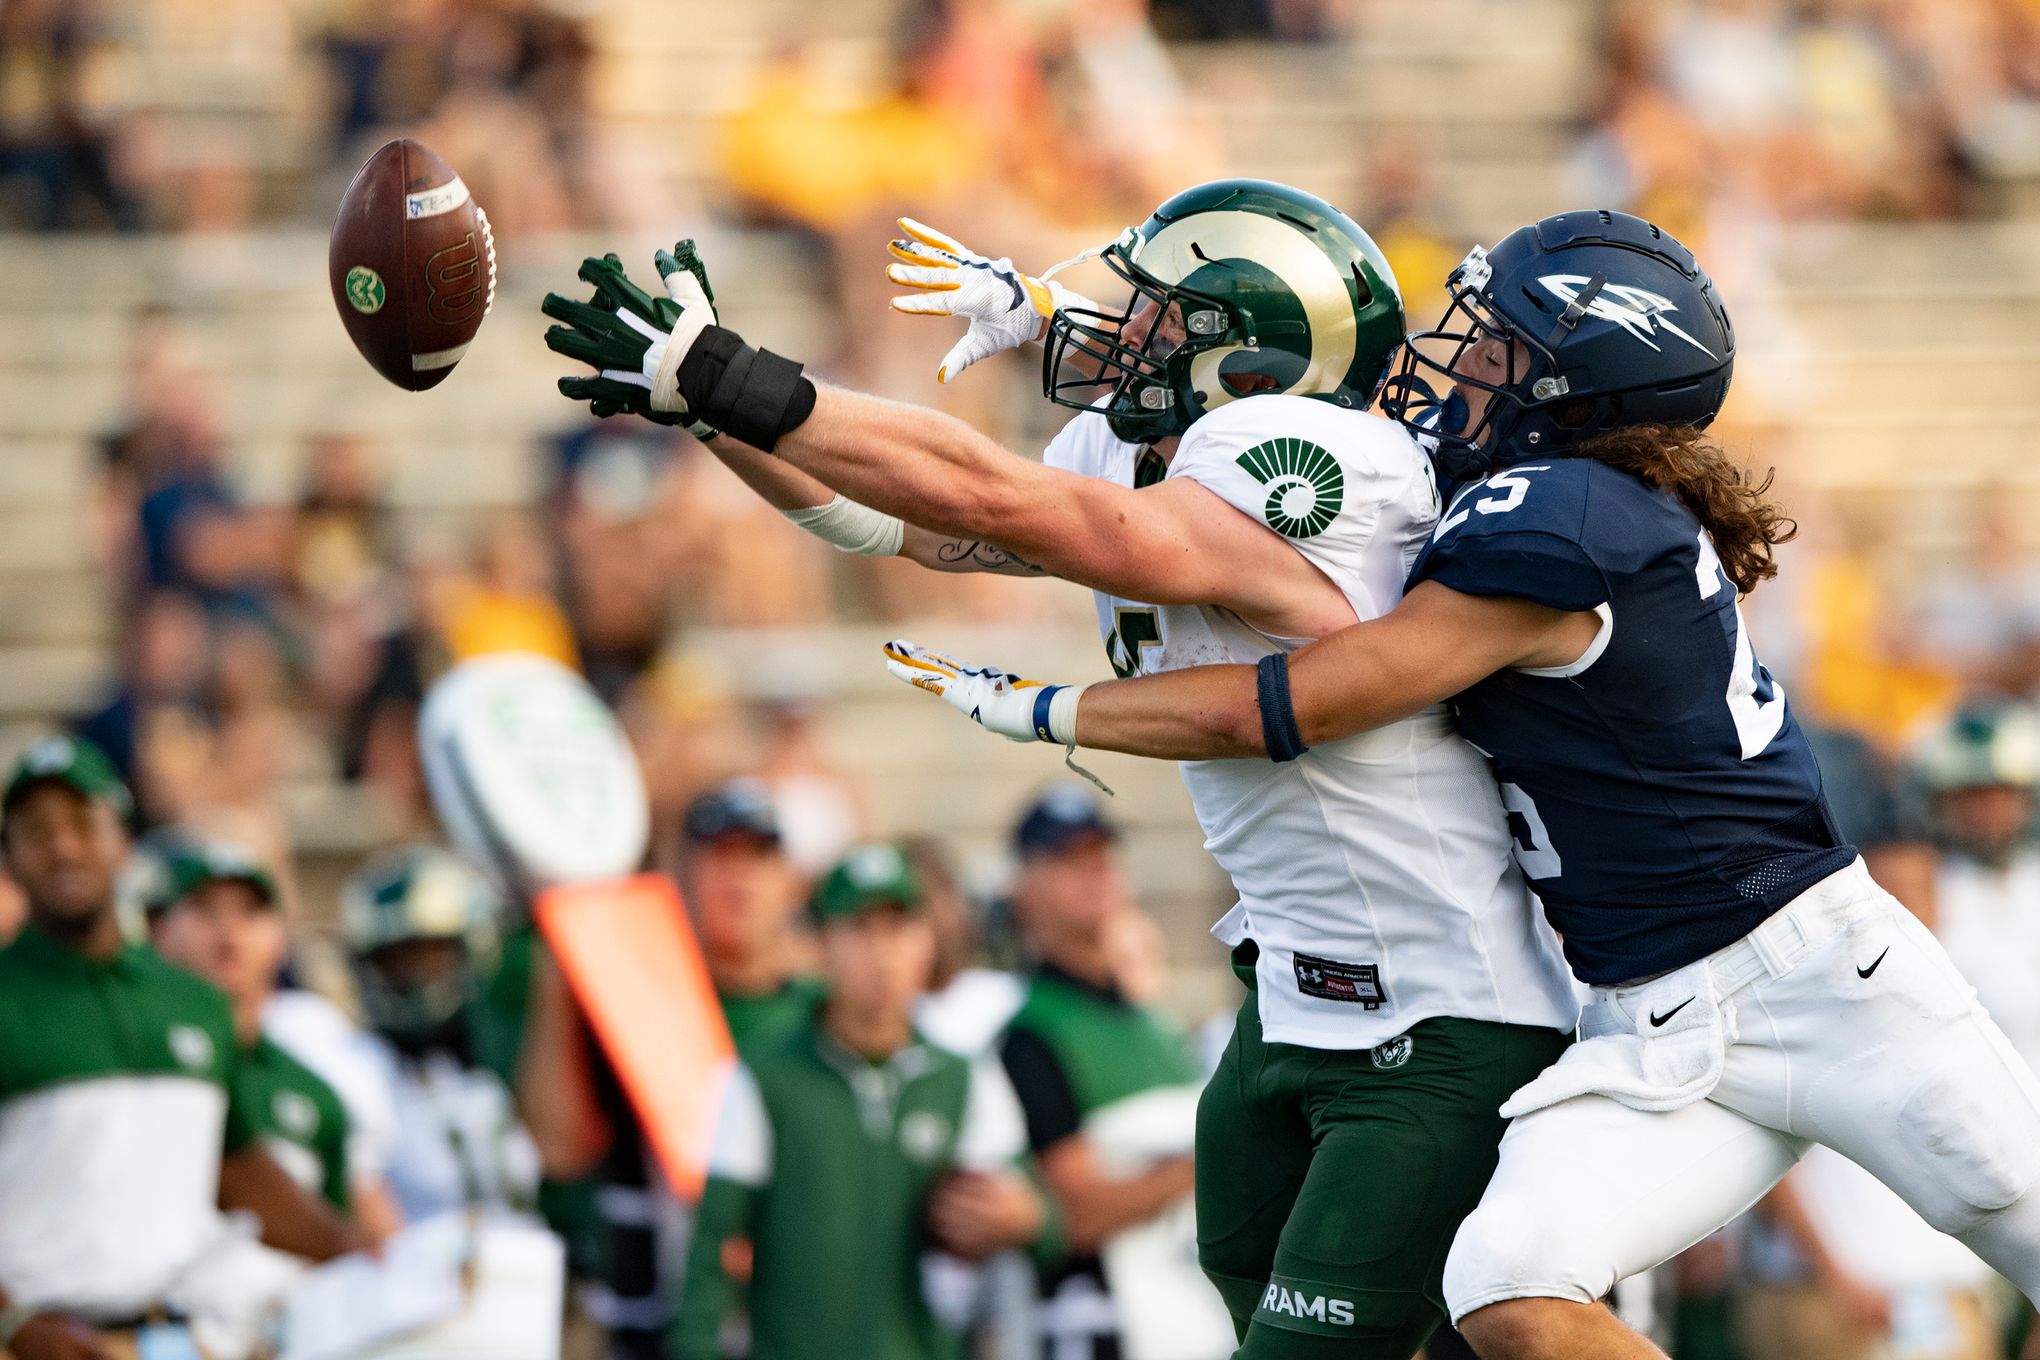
x=453 y=282
x=1305 y=485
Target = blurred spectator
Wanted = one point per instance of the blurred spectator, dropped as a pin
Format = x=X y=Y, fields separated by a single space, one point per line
x=1982 y=616
x=1880 y=812
x=801 y=153
x=1820 y=108
x=195 y=534
x=818 y=816
x=150 y=436
x=60 y=117
x=743 y=896
x=1867 y=667
x=420 y=931
x=375 y=720
x=1982 y=771
x=494 y=120
x=849 y=1146
x=623 y=542
x=964 y=1008
x=93 y=1156
x=501 y=84
x=343 y=537
x=1078 y=1050
x=214 y=911
x=164 y=667
x=967 y=1004
x=1842 y=1269
x=13 y=909
x=1398 y=206
x=508 y=605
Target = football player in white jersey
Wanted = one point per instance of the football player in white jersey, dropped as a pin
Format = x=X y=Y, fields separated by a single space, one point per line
x=1402 y=985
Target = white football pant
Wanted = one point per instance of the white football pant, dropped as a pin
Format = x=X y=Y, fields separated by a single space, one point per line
x=1840 y=1020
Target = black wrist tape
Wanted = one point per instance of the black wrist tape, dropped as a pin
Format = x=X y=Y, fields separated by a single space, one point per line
x=1279 y=731
x=751 y=395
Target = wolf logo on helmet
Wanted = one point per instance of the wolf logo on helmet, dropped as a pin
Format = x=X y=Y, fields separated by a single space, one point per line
x=1238 y=287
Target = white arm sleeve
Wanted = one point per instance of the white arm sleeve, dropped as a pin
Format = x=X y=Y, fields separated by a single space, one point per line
x=994 y=1132
x=851 y=527
x=743 y=1134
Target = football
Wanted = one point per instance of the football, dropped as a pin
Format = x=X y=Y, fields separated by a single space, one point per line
x=413 y=265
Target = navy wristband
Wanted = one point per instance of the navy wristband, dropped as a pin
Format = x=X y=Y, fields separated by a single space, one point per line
x=1279 y=731
x=1041 y=703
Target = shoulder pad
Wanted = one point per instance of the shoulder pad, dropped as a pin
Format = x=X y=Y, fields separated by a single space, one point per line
x=1298 y=464
x=1519 y=533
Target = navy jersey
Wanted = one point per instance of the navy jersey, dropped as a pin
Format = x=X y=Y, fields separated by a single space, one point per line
x=1663 y=799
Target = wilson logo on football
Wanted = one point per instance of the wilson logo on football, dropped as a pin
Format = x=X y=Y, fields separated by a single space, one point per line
x=453 y=281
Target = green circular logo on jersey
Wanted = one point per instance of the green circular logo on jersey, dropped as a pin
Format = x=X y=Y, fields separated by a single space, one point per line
x=191 y=1046
x=1306 y=488
x=295 y=1113
x=365 y=289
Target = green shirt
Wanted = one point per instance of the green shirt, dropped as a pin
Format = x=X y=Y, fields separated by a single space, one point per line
x=1099 y=1048
x=764 y=1018
x=1086 y=1060
x=824 y=1161
x=118 y=1094
x=298 y=1117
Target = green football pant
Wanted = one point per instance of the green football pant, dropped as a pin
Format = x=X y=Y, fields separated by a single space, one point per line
x=1330 y=1182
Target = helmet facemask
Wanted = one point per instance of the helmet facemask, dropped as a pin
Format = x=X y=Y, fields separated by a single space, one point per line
x=1529 y=382
x=1134 y=364
x=416 y=1010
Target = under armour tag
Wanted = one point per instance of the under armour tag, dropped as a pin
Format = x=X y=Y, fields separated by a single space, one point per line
x=1330 y=980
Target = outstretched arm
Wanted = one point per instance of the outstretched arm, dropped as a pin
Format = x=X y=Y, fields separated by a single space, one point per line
x=794 y=493
x=1174 y=543
x=1436 y=643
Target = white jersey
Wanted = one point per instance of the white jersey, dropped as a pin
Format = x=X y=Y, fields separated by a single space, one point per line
x=1989 y=921
x=1374 y=872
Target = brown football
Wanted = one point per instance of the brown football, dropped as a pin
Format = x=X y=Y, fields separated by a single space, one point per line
x=413 y=265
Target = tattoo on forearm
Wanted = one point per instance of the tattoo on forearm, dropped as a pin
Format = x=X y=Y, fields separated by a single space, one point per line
x=983 y=556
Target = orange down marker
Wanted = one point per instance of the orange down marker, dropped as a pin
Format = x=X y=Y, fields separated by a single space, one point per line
x=628 y=952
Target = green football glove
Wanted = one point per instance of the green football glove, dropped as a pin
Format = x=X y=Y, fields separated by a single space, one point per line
x=632 y=340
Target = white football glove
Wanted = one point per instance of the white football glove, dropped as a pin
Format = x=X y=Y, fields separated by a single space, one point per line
x=1005 y=307
x=1018 y=710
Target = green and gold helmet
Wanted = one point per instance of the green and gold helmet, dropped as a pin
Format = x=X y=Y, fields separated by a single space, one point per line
x=1240 y=286
x=420 y=929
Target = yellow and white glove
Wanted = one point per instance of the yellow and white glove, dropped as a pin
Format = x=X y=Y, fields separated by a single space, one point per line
x=1005 y=307
x=1017 y=709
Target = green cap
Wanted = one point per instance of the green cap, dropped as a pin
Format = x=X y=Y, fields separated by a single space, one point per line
x=72 y=761
x=869 y=876
x=190 y=865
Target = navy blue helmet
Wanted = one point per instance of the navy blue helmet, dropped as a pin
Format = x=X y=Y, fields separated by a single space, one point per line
x=1605 y=322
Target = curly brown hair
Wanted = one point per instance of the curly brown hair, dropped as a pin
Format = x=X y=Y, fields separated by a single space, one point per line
x=1727 y=498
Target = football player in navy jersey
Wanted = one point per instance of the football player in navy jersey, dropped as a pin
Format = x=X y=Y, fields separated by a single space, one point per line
x=1754 y=991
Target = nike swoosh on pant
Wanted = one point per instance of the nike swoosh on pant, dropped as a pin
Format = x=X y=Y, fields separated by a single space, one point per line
x=1657 y=1019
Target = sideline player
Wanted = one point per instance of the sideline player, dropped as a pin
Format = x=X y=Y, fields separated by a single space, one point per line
x=1754 y=989
x=1401 y=985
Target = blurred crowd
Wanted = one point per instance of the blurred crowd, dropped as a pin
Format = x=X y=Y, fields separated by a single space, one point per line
x=921 y=1133
x=1815 y=110
x=132 y=113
